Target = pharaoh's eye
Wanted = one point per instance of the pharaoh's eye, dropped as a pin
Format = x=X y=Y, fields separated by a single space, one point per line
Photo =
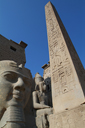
x=11 y=77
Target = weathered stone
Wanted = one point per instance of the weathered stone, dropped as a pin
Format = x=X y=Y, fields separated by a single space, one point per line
x=10 y=50
x=67 y=80
x=68 y=86
x=40 y=103
x=15 y=90
x=74 y=118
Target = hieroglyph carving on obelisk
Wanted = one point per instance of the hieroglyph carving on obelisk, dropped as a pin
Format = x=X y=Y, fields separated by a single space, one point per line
x=66 y=68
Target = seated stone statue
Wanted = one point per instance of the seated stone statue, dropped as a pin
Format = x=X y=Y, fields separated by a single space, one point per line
x=15 y=90
x=40 y=103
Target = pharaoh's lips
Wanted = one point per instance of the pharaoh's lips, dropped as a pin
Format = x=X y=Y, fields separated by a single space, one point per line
x=18 y=95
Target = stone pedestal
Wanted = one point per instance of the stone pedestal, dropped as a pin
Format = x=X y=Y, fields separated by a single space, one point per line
x=74 y=118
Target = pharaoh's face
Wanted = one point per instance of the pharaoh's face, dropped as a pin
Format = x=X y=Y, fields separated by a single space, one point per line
x=15 y=89
x=44 y=88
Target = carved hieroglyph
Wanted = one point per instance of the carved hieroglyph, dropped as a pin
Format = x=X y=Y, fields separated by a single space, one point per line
x=66 y=68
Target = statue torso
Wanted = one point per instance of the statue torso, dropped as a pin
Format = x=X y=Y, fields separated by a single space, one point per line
x=42 y=98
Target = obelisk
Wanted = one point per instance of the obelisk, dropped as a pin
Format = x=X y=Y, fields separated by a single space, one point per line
x=68 y=86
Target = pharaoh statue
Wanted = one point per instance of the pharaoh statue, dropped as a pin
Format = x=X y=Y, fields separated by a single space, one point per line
x=15 y=89
x=40 y=103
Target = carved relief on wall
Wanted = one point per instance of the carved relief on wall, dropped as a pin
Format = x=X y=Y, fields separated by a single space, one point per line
x=54 y=34
x=56 y=62
x=54 y=47
x=55 y=77
x=61 y=68
x=62 y=75
x=53 y=63
x=55 y=81
x=51 y=50
x=69 y=73
x=65 y=58
x=64 y=53
x=63 y=80
x=51 y=24
x=58 y=48
x=53 y=27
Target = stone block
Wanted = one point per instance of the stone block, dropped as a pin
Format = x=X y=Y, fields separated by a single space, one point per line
x=74 y=118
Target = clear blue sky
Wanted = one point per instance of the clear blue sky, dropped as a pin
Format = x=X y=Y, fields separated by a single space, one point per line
x=25 y=20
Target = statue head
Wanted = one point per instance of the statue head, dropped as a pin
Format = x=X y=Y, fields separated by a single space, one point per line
x=40 y=83
x=15 y=84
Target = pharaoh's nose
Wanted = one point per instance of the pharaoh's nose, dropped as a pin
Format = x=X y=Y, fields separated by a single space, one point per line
x=19 y=85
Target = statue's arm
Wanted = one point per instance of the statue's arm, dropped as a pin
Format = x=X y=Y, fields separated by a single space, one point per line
x=37 y=105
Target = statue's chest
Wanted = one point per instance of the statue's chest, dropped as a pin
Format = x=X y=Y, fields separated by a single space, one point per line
x=42 y=97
